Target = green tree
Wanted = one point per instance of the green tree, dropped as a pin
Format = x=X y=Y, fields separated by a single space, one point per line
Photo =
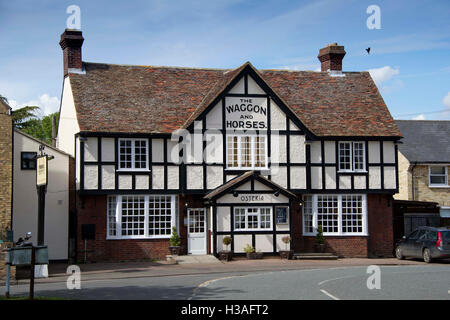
x=23 y=117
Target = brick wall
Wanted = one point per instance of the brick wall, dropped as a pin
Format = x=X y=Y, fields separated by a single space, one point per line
x=5 y=173
x=380 y=220
x=92 y=210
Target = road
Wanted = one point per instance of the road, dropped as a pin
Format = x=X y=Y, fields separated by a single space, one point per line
x=338 y=283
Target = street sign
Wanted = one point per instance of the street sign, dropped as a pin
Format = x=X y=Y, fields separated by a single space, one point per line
x=41 y=171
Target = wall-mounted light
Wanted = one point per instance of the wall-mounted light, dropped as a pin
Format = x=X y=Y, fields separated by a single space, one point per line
x=235 y=194
x=277 y=193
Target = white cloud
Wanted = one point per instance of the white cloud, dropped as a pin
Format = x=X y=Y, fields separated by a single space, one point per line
x=383 y=74
x=446 y=100
x=47 y=104
x=419 y=117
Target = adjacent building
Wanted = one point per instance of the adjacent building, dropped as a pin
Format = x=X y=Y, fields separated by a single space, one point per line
x=25 y=218
x=247 y=153
x=424 y=162
x=6 y=175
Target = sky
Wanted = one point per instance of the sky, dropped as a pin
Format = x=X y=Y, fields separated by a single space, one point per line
x=409 y=58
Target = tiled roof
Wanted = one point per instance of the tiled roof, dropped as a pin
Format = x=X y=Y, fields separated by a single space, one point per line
x=425 y=141
x=146 y=99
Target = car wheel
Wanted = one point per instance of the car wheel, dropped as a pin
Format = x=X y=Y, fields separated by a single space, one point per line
x=398 y=254
x=427 y=255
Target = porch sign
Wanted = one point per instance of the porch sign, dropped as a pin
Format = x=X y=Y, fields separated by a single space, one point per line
x=242 y=113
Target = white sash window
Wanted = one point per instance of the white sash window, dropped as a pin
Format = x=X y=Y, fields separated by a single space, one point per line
x=252 y=218
x=438 y=176
x=246 y=152
x=338 y=215
x=133 y=154
x=352 y=156
x=140 y=216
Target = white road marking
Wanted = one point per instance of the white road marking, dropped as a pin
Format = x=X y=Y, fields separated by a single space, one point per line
x=329 y=294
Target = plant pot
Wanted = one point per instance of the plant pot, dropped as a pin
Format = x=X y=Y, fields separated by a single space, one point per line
x=254 y=255
x=175 y=251
x=225 y=255
x=320 y=247
x=286 y=254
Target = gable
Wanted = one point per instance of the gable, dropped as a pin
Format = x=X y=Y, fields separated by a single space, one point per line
x=247 y=103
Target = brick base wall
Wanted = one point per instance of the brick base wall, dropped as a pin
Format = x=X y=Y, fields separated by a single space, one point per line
x=379 y=242
x=92 y=210
x=341 y=246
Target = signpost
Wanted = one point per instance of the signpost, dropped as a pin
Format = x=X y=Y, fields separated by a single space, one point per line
x=41 y=185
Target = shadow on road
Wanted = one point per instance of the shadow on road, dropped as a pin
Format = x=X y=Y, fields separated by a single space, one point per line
x=137 y=293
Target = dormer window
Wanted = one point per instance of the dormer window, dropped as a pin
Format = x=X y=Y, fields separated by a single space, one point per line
x=133 y=154
x=352 y=156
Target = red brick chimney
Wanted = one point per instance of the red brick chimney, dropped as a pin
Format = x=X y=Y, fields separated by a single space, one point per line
x=331 y=57
x=71 y=42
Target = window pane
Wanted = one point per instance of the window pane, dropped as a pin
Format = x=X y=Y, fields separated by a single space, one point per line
x=239 y=218
x=352 y=214
x=125 y=154
x=260 y=151
x=308 y=215
x=140 y=154
x=437 y=170
x=437 y=179
x=266 y=218
x=112 y=220
x=133 y=215
x=252 y=218
x=345 y=156
x=246 y=152
x=159 y=215
x=358 y=153
x=327 y=213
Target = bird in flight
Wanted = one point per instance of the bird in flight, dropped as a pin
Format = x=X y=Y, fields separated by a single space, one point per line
x=368 y=50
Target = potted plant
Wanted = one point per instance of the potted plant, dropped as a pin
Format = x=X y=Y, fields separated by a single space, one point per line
x=320 y=240
x=286 y=254
x=226 y=255
x=251 y=252
x=175 y=242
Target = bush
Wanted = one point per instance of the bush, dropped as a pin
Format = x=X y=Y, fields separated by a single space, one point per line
x=249 y=249
x=320 y=239
x=227 y=241
x=175 y=240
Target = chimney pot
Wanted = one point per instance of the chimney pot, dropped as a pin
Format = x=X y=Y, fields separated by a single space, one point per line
x=331 y=57
x=71 y=42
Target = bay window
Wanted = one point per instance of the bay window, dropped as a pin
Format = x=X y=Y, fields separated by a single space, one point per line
x=438 y=176
x=246 y=151
x=337 y=214
x=252 y=218
x=133 y=154
x=352 y=156
x=140 y=216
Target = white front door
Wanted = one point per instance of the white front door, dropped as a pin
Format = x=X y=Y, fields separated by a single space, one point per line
x=196 y=231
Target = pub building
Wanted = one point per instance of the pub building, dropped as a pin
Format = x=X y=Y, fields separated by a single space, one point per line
x=247 y=153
